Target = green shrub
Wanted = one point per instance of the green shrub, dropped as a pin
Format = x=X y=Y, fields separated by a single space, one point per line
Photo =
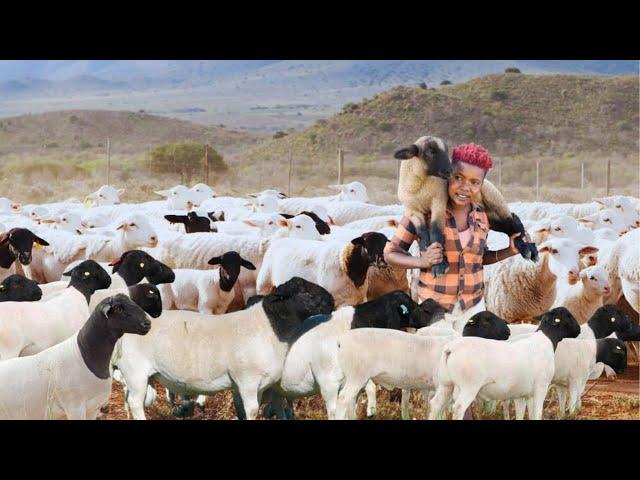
x=313 y=137
x=512 y=70
x=349 y=107
x=445 y=82
x=187 y=158
x=279 y=134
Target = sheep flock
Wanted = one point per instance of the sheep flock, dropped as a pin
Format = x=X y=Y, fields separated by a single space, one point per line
x=110 y=306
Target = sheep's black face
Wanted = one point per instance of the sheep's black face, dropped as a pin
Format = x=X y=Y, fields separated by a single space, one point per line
x=135 y=265
x=608 y=319
x=89 y=275
x=16 y=288
x=147 y=297
x=373 y=243
x=431 y=312
x=230 y=264
x=612 y=352
x=292 y=302
x=559 y=323
x=124 y=316
x=486 y=325
x=20 y=242
x=322 y=226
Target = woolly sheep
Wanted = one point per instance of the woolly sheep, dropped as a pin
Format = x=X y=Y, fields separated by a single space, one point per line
x=584 y=298
x=178 y=198
x=105 y=195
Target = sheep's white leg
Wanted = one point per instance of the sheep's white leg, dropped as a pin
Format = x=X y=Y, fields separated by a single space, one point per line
x=329 y=389
x=440 y=400
x=76 y=412
x=404 y=404
x=520 y=407
x=347 y=401
x=426 y=395
x=536 y=403
x=562 y=400
x=575 y=391
x=463 y=402
x=370 y=389
x=249 y=393
x=506 y=404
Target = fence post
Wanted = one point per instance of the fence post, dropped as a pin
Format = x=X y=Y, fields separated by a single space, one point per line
x=500 y=172
x=108 y=161
x=340 y=165
x=398 y=165
x=582 y=178
x=608 y=176
x=290 y=169
x=206 y=164
x=537 y=179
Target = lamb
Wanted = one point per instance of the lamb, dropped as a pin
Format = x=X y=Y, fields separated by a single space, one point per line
x=205 y=291
x=105 y=195
x=342 y=213
x=191 y=221
x=133 y=231
x=353 y=191
x=619 y=259
x=535 y=211
x=70 y=380
x=195 y=250
x=17 y=244
x=192 y=354
x=627 y=207
x=584 y=298
x=375 y=223
x=69 y=222
x=502 y=370
x=518 y=291
x=311 y=364
x=397 y=359
x=16 y=288
x=422 y=188
x=202 y=192
x=179 y=198
x=341 y=269
x=27 y=328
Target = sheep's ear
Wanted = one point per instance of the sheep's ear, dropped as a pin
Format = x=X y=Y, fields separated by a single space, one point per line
x=247 y=264
x=4 y=240
x=587 y=250
x=282 y=195
x=358 y=241
x=120 y=191
x=163 y=193
x=588 y=218
x=250 y=223
x=544 y=249
x=68 y=273
x=40 y=242
x=284 y=223
x=407 y=153
x=106 y=309
x=338 y=187
x=122 y=226
x=215 y=261
x=545 y=229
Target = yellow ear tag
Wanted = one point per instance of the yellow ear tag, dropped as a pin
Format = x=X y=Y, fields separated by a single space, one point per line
x=141 y=264
x=2 y=287
x=557 y=320
x=86 y=274
x=613 y=319
x=618 y=347
x=88 y=203
x=37 y=245
x=151 y=292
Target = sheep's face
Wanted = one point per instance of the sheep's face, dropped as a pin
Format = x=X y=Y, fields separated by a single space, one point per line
x=90 y=275
x=612 y=352
x=202 y=192
x=564 y=255
x=433 y=152
x=134 y=265
x=596 y=278
x=105 y=195
x=609 y=318
x=431 y=312
x=486 y=325
x=230 y=264
x=559 y=323
x=302 y=226
x=20 y=242
x=321 y=226
x=138 y=232
x=16 y=288
x=147 y=297
x=124 y=316
x=372 y=244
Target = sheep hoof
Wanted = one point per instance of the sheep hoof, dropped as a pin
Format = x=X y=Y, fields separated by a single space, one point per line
x=439 y=270
x=534 y=252
x=185 y=409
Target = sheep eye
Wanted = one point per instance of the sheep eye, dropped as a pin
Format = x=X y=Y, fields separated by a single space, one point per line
x=557 y=320
x=352 y=191
x=557 y=229
x=613 y=319
x=618 y=206
x=270 y=223
x=297 y=226
x=132 y=224
x=151 y=292
x=141 y=264
x=86 y=274
x=618 y=347
x=592 y=278
x=607 y=220
x=101 y=196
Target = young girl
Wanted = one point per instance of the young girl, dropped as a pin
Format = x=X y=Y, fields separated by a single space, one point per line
x=461 y=289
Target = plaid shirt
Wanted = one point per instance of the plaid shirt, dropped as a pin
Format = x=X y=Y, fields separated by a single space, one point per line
x=464 y=281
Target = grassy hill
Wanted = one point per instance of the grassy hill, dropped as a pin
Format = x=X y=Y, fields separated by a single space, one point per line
x=130 y=132
x=560 y=120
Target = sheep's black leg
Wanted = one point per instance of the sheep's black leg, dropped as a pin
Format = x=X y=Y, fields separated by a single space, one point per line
x=437 y=236
x=423 y=237
x=513 y=225
x=238 y=405
x=186 y=408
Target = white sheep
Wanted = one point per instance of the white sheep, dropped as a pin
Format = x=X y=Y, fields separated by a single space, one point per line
x=202 y=192
x=192 y=354
x=497 y=370
x=585 y=297
x=205 y=291
x=70 y=380
x=178 y=198
x=105 y=195
x=606 y=218
x=7 y=206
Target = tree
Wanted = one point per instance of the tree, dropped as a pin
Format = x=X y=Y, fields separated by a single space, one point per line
x=422 y=85
x=512 y=70
x=186 y=159
x=445 y=82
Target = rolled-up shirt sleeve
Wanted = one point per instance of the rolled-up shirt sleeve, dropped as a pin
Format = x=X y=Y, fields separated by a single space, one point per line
x=403 y=237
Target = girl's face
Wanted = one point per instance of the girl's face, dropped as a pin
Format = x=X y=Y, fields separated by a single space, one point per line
x=465 y=183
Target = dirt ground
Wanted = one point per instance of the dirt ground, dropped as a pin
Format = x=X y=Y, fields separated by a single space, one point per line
x=604 y=399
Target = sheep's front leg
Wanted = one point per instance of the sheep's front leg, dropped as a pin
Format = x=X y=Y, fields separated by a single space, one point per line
x=404 y=404
x=520 y=407
x=370 y=389
x=506 y=405
x=562 y=400
x=575 y=392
